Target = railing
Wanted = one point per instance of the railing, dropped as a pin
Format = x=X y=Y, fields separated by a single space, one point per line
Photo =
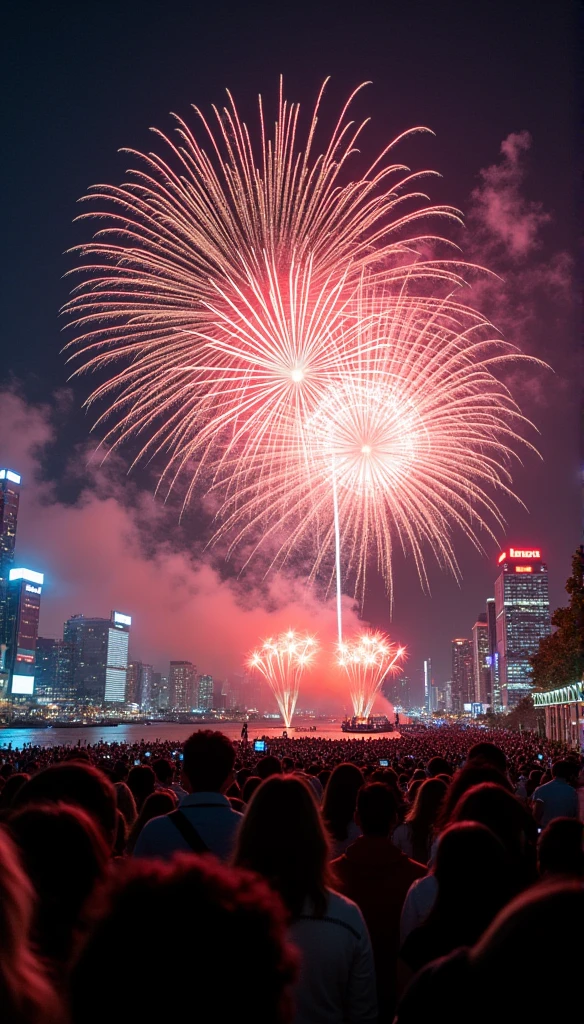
x=571 y=694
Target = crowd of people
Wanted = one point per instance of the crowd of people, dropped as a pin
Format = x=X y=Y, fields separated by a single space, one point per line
x=353 y=881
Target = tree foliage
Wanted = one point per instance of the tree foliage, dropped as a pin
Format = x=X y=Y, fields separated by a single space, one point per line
x=560 y=657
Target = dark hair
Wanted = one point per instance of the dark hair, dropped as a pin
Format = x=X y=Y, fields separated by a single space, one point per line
x=423 y=816
x=77 y=783
x=26 y=995
x=466 y=778
x=377 y=809
x=141 y=782
x=471 y=869
x=564 y=769
x=11 y=787
x=340 y=798
x=234 y=911
x=499 y=810
x=163 y=769
x=438 y=766
x=488 y=753
x=282 y=838
x=559 y=848
x=209 y=757
x=250 y=786
x=267 y=766
x=65 y=856
x=162 y=802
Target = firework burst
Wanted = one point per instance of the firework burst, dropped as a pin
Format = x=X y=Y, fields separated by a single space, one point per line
x=367 y=659
x=282 y=661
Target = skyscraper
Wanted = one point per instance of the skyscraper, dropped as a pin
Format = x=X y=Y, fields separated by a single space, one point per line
x=53 y=681
x=493 y=657
x=159 y=696
x=182 y=682
x=9 y=499
x=397 y=690
x=23 y=605
x=480 y=660
x=522 y=610
x=428 y=685
x=462 y=676
x=99 y=656
x=140 y=684
x=205 y=692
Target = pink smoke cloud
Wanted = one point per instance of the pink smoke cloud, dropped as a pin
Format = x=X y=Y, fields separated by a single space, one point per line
x=96 y=555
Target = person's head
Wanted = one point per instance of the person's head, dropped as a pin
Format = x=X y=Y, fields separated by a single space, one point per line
x=534 y=921
x=268 y=766
x=11 y=787
x=6 y=770
x=236 y=915
x=438 y=766
x=497 y=809
x=141 y=781
x=423 y=815
x=340 y=798
x=559 y=848
x=287 y=765
x=376 y=812
x=26 y=996
x=471 y=869
x=126 y=803
x=76 y=783
x=65 y=856
x=163 y=770
x=487 y=754
x=208 y=762
x=466 y=778
x=163 y=801
x=565 y=769
x=282 y=838
x=251 y=784
x=120 y=771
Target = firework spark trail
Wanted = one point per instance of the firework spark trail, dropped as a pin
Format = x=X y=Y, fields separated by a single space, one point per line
x=411 y=440
x=220 y=280
x=367 y=659
x=282 y=661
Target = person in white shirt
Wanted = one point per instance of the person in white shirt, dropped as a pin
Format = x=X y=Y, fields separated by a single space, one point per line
x=283 y=838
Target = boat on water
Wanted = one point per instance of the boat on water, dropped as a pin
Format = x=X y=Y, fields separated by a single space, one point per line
x=373 y=724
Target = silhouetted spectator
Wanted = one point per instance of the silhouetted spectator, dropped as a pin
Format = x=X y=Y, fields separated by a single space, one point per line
x=268 y=766
x=163 y=801
x=558 y=798
x=164 y=773
x=416 y=835
x=377 y=876
x=26 y=994
x=11 y=787
x=282 y=838
x=65 y=856
x=126 y=803
x=141 y=782
x=339 y=804
x=471 y=871
x=230 y=931
x=488 y=754
x=77 y=783
x=205 y=820
x=250 y=787
x=438 y=766
x=560 y=848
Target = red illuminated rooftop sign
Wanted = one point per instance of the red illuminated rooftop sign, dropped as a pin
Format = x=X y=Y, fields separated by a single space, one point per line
x=519 y=553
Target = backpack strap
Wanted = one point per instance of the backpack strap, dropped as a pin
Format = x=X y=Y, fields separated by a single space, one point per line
x=188 y=832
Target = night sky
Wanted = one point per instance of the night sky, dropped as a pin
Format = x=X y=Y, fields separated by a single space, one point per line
x=81 y=81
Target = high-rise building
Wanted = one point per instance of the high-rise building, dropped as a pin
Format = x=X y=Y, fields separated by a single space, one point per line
x=9 y=499
x=99 y=656
x=428 y=685
x=53 y=681
x=522 y=611
x=205 y=692
x=159 y=697
x=23 y=605
x=462 y=688
x=182 y=683
x=139 y=685
x=493 y=657
x=480 y=660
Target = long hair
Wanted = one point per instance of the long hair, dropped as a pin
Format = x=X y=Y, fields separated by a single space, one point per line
x=340 y=798
x=26 y=995
x=163 y=801
x=282 y=837
x=423 y=815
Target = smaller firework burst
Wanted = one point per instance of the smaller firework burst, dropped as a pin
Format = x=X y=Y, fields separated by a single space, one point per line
x=367 y=659
x=282 y=660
